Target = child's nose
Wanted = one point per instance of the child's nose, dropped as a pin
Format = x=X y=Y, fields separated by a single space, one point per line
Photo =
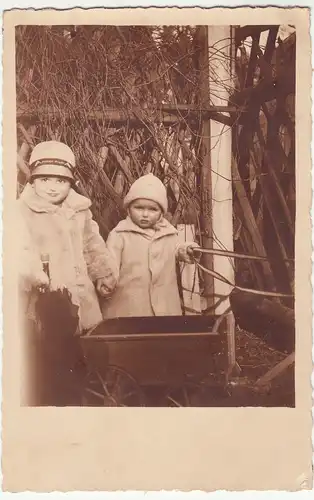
x=52 y=185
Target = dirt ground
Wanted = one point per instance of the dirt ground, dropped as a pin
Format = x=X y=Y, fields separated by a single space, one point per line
x=254 y=358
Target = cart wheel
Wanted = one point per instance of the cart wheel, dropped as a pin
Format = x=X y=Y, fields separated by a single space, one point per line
x=115 y=388
x=180 y=396
x=196 y=392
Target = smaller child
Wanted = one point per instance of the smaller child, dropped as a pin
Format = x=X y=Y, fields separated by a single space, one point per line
x=146 y=247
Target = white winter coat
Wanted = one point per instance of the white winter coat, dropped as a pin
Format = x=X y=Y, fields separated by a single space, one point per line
x=78 y=255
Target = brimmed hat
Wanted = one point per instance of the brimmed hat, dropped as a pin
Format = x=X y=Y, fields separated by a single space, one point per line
x=52 y=158
x=148 y=187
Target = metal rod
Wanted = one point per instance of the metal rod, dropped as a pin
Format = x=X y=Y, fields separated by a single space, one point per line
x=240 y=288
x=226 y=253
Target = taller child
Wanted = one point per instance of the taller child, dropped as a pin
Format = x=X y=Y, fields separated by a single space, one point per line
x=146 y=247
x=56 y=222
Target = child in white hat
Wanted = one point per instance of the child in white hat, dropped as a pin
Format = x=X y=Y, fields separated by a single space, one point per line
x=57 y=225
x=146 y=247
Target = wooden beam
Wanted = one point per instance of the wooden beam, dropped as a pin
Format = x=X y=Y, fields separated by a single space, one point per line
x=266 y=91
x=205 y=170
x=186 y=107
x=271 y=163
x=271 y=43
x=252 y=61
x=167 y=114
x=225 y=120
x=276 y=371
x=268 y=88
x=246 y=31
x=250 y=223
x=267 y=319
x=272 y=203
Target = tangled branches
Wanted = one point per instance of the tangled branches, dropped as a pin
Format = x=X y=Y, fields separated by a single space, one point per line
x=100 y=89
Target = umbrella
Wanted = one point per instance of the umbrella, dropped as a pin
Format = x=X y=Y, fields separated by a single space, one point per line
x=59 y=357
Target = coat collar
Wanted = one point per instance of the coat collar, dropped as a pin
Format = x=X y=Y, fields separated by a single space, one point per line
x=72 y=204
x=163 y=227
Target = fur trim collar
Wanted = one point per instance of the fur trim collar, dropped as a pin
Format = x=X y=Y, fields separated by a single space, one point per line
x=74 y=202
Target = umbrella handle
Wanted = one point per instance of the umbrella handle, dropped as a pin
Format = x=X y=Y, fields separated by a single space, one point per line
x=45 y=263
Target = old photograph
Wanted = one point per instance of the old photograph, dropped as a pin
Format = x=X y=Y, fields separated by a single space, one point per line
x=157 y=249
x=156 y=198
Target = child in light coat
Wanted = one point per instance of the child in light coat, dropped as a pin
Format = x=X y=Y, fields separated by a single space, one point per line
x=56 y=222
x=146 y=247
x=56 y=226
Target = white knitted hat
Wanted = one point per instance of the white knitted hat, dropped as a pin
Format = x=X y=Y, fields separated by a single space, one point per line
x=52 y=158
x=148 y=187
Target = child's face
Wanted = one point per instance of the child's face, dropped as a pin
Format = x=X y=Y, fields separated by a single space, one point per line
x=52 y=189
x=145 y=213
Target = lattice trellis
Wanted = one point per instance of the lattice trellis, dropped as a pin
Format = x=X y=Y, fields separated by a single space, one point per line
x=143 y=112
x=264 y=152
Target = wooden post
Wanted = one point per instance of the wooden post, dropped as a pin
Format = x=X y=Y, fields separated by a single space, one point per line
x=220 y=83
x=276 y=371
x=221 y=52
x=205 y=172
x=248 y=216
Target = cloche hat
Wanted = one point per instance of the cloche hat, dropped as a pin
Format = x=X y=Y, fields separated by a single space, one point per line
x=52 y=158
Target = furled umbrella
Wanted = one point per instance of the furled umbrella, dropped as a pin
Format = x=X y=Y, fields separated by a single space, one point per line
x=60 y=357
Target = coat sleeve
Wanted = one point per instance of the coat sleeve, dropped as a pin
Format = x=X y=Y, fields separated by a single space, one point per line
x=115 y=245
x=29 y=262
x=99 y=260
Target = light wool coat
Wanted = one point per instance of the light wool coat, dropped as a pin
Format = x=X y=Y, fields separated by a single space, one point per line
x=78 y=255
x=147 y=283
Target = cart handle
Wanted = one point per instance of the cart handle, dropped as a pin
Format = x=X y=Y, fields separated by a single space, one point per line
x=227 y=253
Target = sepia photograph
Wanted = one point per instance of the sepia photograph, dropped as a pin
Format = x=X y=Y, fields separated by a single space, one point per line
x=156 y=188
x=157 y=238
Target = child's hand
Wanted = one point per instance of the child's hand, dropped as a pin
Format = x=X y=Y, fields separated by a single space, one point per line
x=186 y=253
x=191 y=248
x=105 y=286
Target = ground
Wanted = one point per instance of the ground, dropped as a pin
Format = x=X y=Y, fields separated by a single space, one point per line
x=255 y=358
